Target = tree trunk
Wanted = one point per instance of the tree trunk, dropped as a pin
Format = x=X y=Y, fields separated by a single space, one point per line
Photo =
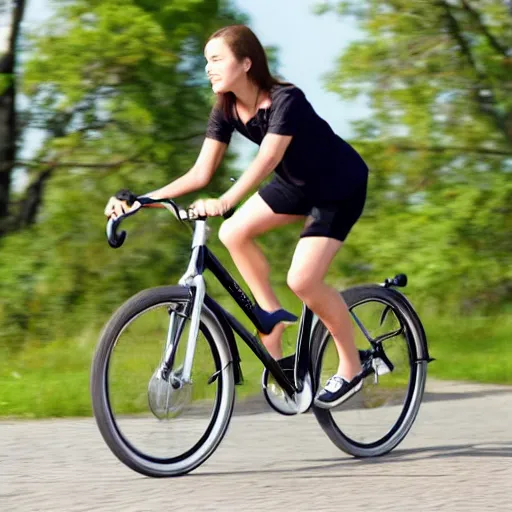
x=7 y=110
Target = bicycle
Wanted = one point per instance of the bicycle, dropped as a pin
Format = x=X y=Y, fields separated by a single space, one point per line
x=164 y=389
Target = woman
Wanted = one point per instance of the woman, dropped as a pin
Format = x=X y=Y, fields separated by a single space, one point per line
x=318 y=177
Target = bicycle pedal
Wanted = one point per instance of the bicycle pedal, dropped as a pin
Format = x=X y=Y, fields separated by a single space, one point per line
x=379 y=368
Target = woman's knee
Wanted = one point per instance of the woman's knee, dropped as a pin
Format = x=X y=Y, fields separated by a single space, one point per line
x=232 y=233
x=301 y=282
x=226 y=232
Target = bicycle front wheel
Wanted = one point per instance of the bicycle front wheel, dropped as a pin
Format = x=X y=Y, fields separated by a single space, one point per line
x=375 y=420
x=152 y=420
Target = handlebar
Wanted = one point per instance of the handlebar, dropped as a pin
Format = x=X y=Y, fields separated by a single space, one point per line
x=116 y=240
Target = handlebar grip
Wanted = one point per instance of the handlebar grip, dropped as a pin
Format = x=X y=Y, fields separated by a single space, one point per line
x=115 y=240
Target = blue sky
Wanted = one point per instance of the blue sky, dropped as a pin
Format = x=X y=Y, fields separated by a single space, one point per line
x=308 y=46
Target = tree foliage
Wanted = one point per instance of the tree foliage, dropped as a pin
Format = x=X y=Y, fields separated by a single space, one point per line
x=438 y=76
x=119 y=88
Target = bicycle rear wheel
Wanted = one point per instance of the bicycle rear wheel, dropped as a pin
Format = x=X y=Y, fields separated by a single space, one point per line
x=375 y=420
x=153 y=421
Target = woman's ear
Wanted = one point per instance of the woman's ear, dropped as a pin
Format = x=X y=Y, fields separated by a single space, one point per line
x=247 y=64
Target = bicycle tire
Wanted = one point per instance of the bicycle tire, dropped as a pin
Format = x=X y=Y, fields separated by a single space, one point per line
x=219 y=421
x=418 y=359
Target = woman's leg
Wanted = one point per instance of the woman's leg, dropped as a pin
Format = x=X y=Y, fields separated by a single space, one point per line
x=237 y=233
x=310 y=264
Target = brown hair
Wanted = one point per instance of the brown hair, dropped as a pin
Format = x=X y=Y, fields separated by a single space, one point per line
x=243 y=42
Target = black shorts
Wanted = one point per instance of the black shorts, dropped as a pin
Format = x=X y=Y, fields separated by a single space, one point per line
x=334 y=219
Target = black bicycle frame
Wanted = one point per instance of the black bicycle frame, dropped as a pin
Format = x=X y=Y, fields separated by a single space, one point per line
x=207 y=260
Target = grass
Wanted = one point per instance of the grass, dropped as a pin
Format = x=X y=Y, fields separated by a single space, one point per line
x=471 y=348
x=46 y=381
x=53 y=380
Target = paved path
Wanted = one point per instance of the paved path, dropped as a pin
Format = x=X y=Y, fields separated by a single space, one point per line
x=457 y=457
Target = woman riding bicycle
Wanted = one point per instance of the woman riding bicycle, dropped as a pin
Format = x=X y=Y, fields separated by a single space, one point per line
x=318 y=177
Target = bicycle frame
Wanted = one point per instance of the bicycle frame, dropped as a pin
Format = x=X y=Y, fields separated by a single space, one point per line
x=203 y=259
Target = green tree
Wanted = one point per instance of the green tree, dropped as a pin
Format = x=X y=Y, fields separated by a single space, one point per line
x=119 y=88
x=438 y=78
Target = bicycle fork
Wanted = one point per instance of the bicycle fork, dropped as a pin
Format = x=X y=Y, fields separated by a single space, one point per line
x=200 y=291
x=177 y=321
x=194 y=279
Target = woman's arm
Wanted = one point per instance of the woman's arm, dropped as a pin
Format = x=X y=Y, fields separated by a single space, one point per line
x=199 y=175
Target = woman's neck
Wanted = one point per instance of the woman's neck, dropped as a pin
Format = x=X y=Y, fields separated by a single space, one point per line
x=250 y=96
x=247 y=95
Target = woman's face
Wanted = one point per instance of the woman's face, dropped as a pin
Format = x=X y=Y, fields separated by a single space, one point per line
x=224 y=71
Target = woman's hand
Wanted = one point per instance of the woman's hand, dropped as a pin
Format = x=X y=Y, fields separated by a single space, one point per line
x=117 y=207
x=210 y=207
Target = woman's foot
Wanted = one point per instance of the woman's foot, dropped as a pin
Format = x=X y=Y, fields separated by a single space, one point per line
x=337 y=390
x=270 y=325
x=267 y=320
x=273 y=341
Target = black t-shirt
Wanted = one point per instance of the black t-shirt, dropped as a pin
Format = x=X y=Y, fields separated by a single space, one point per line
x=318 y=161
